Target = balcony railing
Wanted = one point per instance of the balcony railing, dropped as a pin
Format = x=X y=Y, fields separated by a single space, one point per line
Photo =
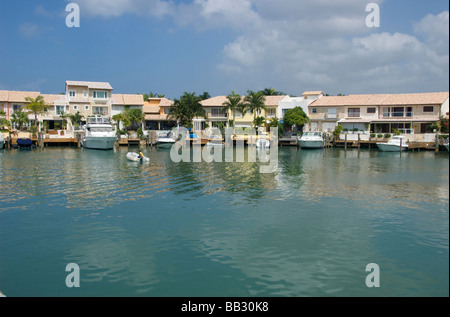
x=398 y=114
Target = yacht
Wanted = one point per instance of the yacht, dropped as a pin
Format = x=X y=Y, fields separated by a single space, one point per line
x=311 y=140
x=165 y=140
x=99 y=134
x=395 y=144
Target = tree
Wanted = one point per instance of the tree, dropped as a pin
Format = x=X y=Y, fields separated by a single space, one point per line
x=185 y=109
x=255 y=101
x=76 y=118
x=20 y=118
x=135 y=117
x=271 y=92
x=3 y=120
x=233 y=104
x=121 y=117
x=259 y=122
x=296 y=117
x=205 y=96
x=36 y=106
x=152 y=95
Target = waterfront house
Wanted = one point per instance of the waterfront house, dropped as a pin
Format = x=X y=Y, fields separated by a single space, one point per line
x=303 y=102
x=89 y=98
x=156 y=112
x=217 y=116
x=410 y=114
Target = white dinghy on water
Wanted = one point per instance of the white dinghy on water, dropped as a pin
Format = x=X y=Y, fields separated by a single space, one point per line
x=135 y=157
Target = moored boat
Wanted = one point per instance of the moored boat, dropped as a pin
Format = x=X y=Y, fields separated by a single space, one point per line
x=311 y=140
x=263 y=144
x=99 y=134
x=24 y=142
x=165 y=140
x=135 y=157
x=396 y=144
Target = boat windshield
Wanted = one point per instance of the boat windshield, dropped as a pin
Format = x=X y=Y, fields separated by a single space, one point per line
x=98 y=120
x=317 y=134
x=100 y=129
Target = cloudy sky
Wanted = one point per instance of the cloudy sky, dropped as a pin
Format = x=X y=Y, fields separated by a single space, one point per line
x=172 y=46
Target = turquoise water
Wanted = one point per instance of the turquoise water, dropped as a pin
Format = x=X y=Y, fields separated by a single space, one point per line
x=224 y=229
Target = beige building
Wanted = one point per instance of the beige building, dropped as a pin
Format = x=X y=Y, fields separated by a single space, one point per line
x=87 y=98
x=156 y=112
x=218 y=116
x=407 y=113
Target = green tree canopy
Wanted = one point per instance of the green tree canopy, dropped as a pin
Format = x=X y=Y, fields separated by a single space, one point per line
x=185 y=109
x=255 y=101
x=20 y=118
x=271 y=92
x=234 y=103
x=296 y=117
x=36 y=106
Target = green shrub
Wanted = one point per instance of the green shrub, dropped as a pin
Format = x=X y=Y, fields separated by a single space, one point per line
x=379 y=136
x=387 y=136
x=372 y=136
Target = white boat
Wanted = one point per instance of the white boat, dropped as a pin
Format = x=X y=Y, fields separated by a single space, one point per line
x=311 y=140
x=263 y=144
x=165 y=140
x=445 y=144
x=136 y=158
x=99 y=134
x=394 y=145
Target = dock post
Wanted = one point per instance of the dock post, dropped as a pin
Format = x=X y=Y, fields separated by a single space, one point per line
x=346 y=141
x=359 y=141
x=437 y=142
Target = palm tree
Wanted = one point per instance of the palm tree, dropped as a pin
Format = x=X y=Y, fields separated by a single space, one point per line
x=3 y=120
x=187 y=108
x=259 y=122
x=76 y=118
x=233 y=104
x=121 y=117
x=205 y=96
x=255 y=101
x=36 y=106
x=135 y=117
x=271 y=92
x=20 y=118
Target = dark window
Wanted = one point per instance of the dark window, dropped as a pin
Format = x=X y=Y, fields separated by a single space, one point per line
x=354 y=112
x=371 y=110
x=428 y=109
x=314 y=110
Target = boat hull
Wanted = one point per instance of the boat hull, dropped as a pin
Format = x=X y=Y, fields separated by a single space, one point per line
x=24 y=142
x=99 y=143
x=134 y=157
x=391 y=147
x=311 y=144
x=165 y=145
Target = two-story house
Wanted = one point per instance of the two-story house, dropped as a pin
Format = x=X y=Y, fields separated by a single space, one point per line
x=383 y=113
x=157 y=117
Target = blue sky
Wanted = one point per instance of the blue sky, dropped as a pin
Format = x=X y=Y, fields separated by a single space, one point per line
x=169 y=47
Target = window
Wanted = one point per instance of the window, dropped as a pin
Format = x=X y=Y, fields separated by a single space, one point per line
x=314 y=110
x=59 y=110
x=99 y=111
x=332 y=113
x=16 y=108
x=271 y=113
x=428 y=109
x=354 y=112
x=86 y=107
x=386 y=112
x=100 y=94
x=85 y=94
x=371 y=110
x=409 y=112
x=398 y=112
x=218 y=113
x=166 y=110
x=72 y=93
x=75 y=108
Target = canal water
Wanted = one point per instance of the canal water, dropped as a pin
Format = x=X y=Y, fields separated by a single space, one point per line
x=224 y=229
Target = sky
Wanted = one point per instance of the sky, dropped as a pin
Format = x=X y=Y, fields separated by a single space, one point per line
x=170 y=47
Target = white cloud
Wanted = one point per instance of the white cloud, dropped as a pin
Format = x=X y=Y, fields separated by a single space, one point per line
x=115 y=8
x=29 y=30
x=435 y=28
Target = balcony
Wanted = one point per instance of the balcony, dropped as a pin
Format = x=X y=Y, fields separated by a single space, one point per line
x=398 y=114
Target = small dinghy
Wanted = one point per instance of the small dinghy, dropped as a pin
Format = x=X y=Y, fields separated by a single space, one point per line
x=136 y=158
x=263 y=144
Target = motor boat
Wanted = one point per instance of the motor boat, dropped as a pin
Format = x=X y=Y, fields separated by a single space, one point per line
x=215 y=144
x=395 y=144
x=262 y=144
x=135 y=157
x=311 y=140
x=165 y=140
x=99 y=134
x=445 y=144
x=24 y=142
